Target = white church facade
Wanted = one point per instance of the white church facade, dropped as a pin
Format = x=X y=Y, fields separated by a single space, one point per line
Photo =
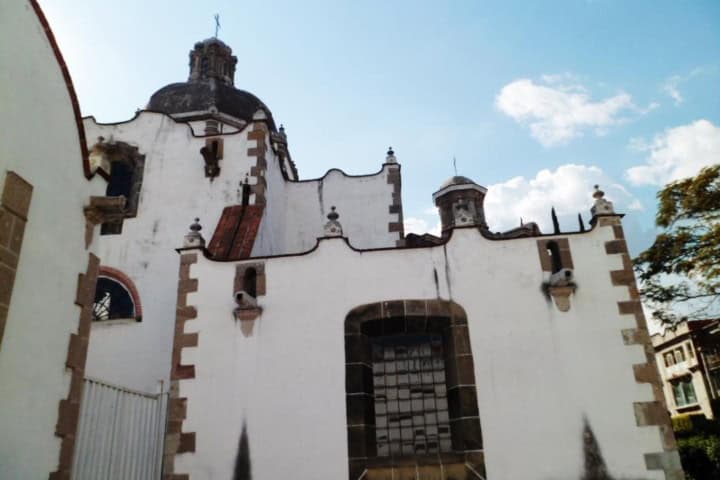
x=302 y=334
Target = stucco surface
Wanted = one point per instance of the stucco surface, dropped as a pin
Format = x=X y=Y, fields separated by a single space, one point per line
x=174 y=192
x=34 y=101
x=539 y=372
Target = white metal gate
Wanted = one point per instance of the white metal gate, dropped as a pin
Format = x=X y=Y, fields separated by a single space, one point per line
x=120 y=434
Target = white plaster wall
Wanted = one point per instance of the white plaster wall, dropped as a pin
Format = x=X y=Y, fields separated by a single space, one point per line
x=539 y=372
x=39 y=141
x=174 y=191
x=361 y=201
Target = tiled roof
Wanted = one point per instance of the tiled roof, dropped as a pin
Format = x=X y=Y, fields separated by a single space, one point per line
x=235 y=233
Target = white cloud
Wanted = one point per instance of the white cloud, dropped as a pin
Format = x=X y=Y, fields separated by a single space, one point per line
x=420 y=225
x=558 y=108
x=671 y=88
x=677 y=153
x=672 y=84
x=569 y=189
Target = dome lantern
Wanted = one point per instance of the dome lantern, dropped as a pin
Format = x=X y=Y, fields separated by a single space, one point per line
x=212 y=58
x=460 y=201
x=210 y=92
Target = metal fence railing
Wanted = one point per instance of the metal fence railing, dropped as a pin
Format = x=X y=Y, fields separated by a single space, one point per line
x=120 y=434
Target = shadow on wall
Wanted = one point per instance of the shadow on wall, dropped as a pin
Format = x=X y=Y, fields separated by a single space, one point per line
x=243 y=470
x=595 y=468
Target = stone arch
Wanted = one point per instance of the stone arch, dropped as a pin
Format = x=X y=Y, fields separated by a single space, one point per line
x=364 y=325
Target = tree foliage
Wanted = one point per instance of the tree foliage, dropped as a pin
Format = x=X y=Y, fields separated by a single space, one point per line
x=680 y=272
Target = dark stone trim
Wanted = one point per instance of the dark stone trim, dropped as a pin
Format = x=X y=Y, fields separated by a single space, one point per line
x=177 y=441
x=565 y=254
x=411 y=316
x=258 y=134
x=69 y=407
x=240 y=270
x=110 y=211
x=394 y=178
x=654 y=413
x=14 y=208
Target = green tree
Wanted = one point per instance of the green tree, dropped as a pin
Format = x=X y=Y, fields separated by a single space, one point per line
x=680 y=272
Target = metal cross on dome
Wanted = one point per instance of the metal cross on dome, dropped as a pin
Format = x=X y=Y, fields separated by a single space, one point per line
x=217 y=24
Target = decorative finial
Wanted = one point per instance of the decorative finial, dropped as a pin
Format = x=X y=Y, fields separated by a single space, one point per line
x=455 y=165
x=390 y=156
x=194 y=239
x=598 y=193
x=217 y=24
x=333 y=227
x=601 y=206
x=282 y=130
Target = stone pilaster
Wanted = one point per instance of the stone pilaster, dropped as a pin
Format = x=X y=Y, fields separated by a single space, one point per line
x=176 y=440
x=69 y=407
x=652 y=414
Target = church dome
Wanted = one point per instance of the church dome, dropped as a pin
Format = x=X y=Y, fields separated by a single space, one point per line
x=203 y=96
x=456 y=180
x=210 y=88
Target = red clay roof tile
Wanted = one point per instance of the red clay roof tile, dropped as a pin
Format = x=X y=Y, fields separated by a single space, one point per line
x=235 y=233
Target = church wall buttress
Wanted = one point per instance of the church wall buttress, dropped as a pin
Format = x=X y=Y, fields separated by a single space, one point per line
x=647 y=413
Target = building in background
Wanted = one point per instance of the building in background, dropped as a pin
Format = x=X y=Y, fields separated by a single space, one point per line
x=688 y=357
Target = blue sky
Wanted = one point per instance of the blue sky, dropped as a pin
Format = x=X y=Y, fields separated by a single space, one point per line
x=537 y=100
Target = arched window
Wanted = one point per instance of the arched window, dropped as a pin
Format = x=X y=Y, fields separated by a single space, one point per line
x=411 y=397
x=115 y=297
x=250 y=282
x=554 y=252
